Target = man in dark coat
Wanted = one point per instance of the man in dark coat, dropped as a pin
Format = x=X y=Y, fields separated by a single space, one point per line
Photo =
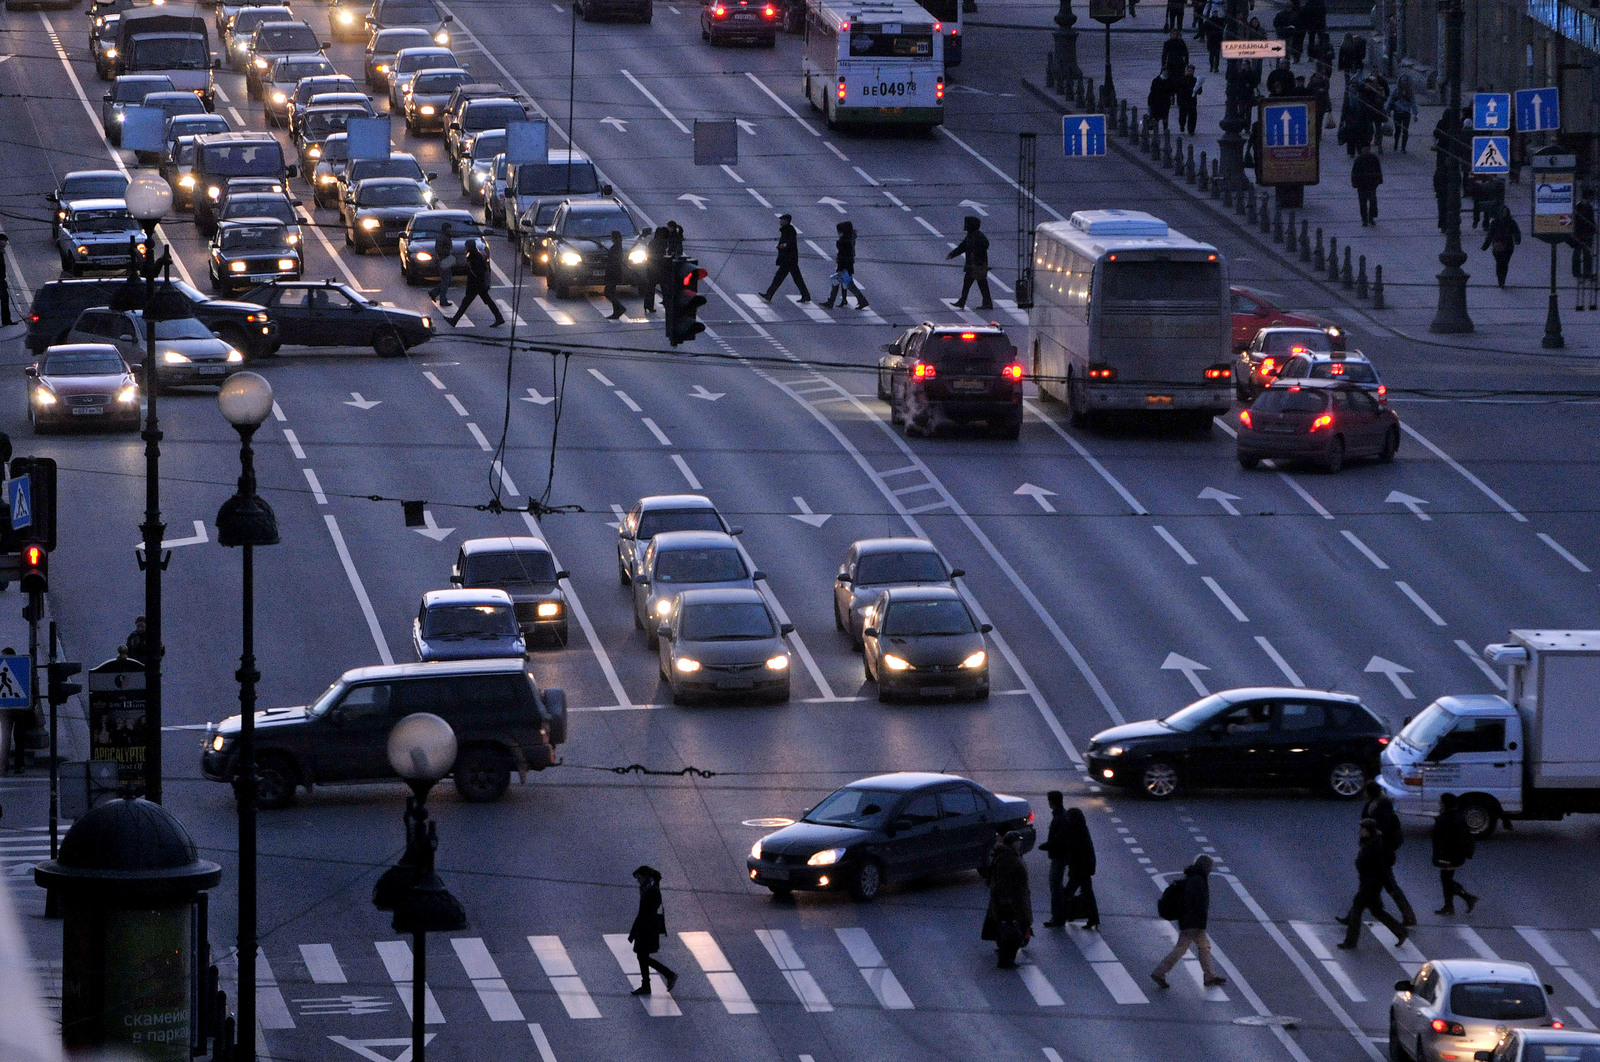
x=1186 y=93
x=616 y=258
x=1055 y=846
x=1158 y=102
x=138 y=641
x=649 y=926
x=1192 y=925
x=1080 y=869
x=975 y=246
x=477 y=285
x=1366 y=173
x=1174 y=54
x=844 y=264
x=1380 y=809
x=1452 y=847
x=1372 y=867
x=1583 y=233
x=660 y=266
x=444 y=254
x=788 y=260
x=1501 y=240
x=1010 y=915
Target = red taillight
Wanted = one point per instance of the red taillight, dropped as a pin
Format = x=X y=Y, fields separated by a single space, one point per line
x=1269 y=366
x=937 y=26
x=938 y=89
x=1324 y=421
x=1211 y=258
x=1030 y=814
x=1244 y=417
x=1383 y=394
x=1335 y=369
x=1219 y=372
x=969 y=336
x=1384 y=740
x=1102 y=372
x=719 y=11
x=1557 y=1025
x=841 y=88
x=770 y=11
x=33 y=318
x=923 y=371
x=1297 y=350
x=1014 y=371
x=1448 y=1028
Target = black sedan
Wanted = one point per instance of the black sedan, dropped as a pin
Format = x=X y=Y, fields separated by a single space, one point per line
x=377 y=211
x=326 y=313
x=888 y=828
x=250 y=252
x=1257 y=736
x=923 y=640
x=580 y=237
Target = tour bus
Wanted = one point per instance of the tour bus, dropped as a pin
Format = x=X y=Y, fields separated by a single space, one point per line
x=874 y=62
x=1129 y=314
x=948 y=15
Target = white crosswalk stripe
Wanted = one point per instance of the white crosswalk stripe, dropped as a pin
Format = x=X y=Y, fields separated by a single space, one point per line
x=811 y=310
x=1319 y=950
x=560 y=317
x=322 y=964
x=396 y=956
x=1038 y=985
x=1214 y=993
x=794 y=971
x=659 y=1003
x=1408 y=955
x=758 y=306
x=972 y=317
x=1106 y=966
x=726 y=983
x=486 y=980
x=271 y=1010
x=20 y=850
x=1540 y=943
x=1010 y=307
x=869 y=960
x=569 y=987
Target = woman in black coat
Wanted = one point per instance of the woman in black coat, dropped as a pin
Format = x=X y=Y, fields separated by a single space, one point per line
x=1501 y=240
x=1452 y=847
x=649 y=926
x=844 y=264
x=1080 y=869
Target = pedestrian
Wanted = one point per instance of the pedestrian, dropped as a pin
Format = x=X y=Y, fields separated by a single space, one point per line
x=444 y=255
x=844 y=264
x=1009 y=920
x=1213 y=31
x=1452 y=847
x=674 y=240
x=649 y=926
x=138 y=641
x=5 y=284
x=616 y=263
x=1296 y=40
x=1175 y=15
x=1366 y=173
x=658 y=268
x=1402 y=108
x=1380 y=809
x=1174 y=54
x=1281 y=81
x=1583 y=233
x=975 y=247
x=1193 y=913
x=477 y=284
x=1319 y=86
x=1502 y=239
x=1488 y=195
x=1197 y=11
x=788 y=260
x=1055 y=846
x=1186 y=92
x=1314 y=19
x=1078 y=895
x=1286 y=24
x=1372 y=867
x=1158 y=104
x=12 y=722
x=1352 y=57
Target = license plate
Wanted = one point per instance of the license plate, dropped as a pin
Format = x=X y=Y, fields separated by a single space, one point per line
x=775 y=873
x=969 y=385
x=735 y=684
x=1279 y=429
x=87 y=411
x=1158 y=400
x=208 y=370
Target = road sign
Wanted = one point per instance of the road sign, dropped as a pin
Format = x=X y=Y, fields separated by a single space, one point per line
x=1538 y=110
x=1084 y=135
x=1491 y=154
x=1286 y=125
x=1108 y=11
x=16 y=681
x=19 y=496
x=1289 y=142
x=1491 y=111
x=1254 y=49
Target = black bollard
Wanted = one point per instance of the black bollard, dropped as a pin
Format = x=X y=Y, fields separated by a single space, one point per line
x=1333 y=259
x=1305 y=240
x=1277 y=225
x=1288 y=235
x=1347 y=277
x=1361 y=279
x=1250 y=206
x=1122 y=118
x=1377 y=288
x=1188 y=166
x=1319 y=261
x=1132 y=131
x=1266 y=214
x=1216 y=168
x=1203 y=174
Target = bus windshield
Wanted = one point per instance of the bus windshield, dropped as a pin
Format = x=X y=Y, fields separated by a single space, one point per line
x=890 y=42
x=1138 y=280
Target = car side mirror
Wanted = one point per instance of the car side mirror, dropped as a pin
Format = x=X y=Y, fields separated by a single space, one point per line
x=956 y=573
x=323 y=47
x=985 y=628
x=664 y=630
x=606 y=189
x=369 y=22
x=844 y=580
x=106 y=98
x=455 y=578
x=52 y=197
x=431 y=176
x=563 y=574
x=1402 y=986
x=869 y=632
x=785 y=628
x=890 y=348
x=30 y=370
x=1404 y=722
x=758 y=575
x=291 y=171
x=1549 y=990
x=449 y=19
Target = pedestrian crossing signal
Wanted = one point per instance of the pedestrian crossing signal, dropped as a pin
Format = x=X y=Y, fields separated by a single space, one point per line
x=684 y=301
x=35 y=569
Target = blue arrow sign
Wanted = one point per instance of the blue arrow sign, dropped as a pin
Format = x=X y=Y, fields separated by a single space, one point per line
x=19 y=496
x=1491 y=154
x=1491 y=111
x=1538 y=110
x=1084 y=135
x=16 y=681
x=1287 y=125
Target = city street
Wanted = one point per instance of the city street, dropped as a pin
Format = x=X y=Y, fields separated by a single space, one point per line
x=1125 y=569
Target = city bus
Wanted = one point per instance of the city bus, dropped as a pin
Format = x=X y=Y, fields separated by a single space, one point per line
x=874 y=62
x=948 y=14
x=1129 y=314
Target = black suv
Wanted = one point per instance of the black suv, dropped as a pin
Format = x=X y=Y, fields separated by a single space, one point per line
x=939 y=374
x=57 y=304
x=502 y=721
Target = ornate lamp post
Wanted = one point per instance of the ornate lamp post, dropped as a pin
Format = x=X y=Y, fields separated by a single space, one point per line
x=1451 y=315
x=1241 y=93
x=1066 y=39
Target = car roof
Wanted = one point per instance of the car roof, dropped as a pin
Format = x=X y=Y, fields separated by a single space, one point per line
x=893 y=545
x=423 y=49
x=651 y=502
x=387 y=179
x=1270 y=330
x=1334 y=355
x=605 y=204
x=922 y=593
x=90 y=174
x=502 y=665
x=301 y=57
x=504 y=544
x=250 y=223
x=1472 y=704
x=1459 y=970
x=1312 y=383
x=82 y=348
x=433 y=70
x=1575 y=1037
x=733 y=595
x=957 y=329
x=467 y=596
x=397 y=30
x=172 y=94
x=99 y=204
x=903 y=781
x=672 y=540
x=446 y=215
x=238 y=136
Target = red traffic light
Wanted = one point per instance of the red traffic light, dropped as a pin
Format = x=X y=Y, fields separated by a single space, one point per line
x=35 y=569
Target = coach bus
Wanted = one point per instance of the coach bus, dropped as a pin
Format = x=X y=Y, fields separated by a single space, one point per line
x=874 y=62
x=1129 y=314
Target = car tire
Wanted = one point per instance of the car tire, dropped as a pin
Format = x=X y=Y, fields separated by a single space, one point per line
x=483 y=773
x=388 y=345
x=1391 y=444
x=1159 y=780
x=1334 y=462
x=623 y=578
x=1346 y=779
x=560 y=290
x=1396 y=1052
x=276 y=781
x=1249 y=462
x=866 y=881
x=1481 y=814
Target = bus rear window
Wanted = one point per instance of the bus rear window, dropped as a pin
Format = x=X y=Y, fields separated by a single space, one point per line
x=1136 y=280
x=872 y=42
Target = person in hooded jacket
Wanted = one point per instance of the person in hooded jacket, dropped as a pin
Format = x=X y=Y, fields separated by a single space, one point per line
x=1080 y=869
x=1501 y=240
x=1380 y=809
x=649 y=926
x=975 y=247
x=1372 y=868
x=1452 y=847
x=1192 y=925
x=844 y=264
x=1009 y=919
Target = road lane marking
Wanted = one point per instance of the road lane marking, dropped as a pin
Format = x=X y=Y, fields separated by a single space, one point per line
x=504 y=478
x=396 y=956
x=1308 y=935
x=759 y=307
x=1416 y=599
x=477 y=433
x=1483 y=665
x=1408 y=955
x=661 y=436
x=1104 y=962
x=812 y=310
x=581 y=614
x=869 y=960
x=1227 y=602
x=1561 y=551
x=998 y=172
x=1540 y=943
x=896 y=200
x=773 y=96
x=1479 y=946
x=486 y=980
x=659 y=1004
x=294 y=443
x=920 y=221
x=794 y=971
x=658 y=104
x=758 y=197
x=455 y=404
x=362 y=599
x=1177 y=547
x=714 y=964
x=1468 y=476
x=437 y=383
x=271 y=1010
x=1093 y=462
x=1305 y=496
x=1277 y=658
x=598 y=375
x=541 y=1041
x=569 y=987
x=865 y=176
x=1377 y=561
x=1038 y=985
x=633 y=407
x=688 y=475
x=316 y=486
x=560 y=317
x=1581 y=1018
x=733 y=173
x=831 y=147
x=322 y=964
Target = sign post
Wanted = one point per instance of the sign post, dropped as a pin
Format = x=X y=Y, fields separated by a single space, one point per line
x=1554 y=182
x=1288 y=155
x=1254 y=49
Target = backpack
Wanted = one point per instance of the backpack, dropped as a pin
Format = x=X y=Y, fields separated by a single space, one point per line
x=1170 y=906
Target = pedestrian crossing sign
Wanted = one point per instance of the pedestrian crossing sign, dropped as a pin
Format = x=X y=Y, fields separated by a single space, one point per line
x=21 y=499
x=1491 y=154
x=16 y=681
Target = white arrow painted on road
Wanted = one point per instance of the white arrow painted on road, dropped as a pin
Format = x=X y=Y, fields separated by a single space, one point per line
x=1191 y=670
x=701 y=392
x=806 y=516
x=619 y=124
x=364 y=1048
x=1222 y=498
x=1038 y=494
x=837 y=204
x=537 y=399
x=697 y=200
x=432 y=530
x=1379 y=666
x=977 y=207
x=362 y=403
x=749 y=127
x=199 y=538
x=1414 y=504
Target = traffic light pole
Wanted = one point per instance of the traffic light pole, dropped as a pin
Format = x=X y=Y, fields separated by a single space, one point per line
x=52 y=905
x=153 y=529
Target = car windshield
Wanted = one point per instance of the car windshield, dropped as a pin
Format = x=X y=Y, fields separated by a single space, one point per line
x=1197 y=714
x=913 y=618
x=306 y=88
x=597 y=224
x=111 y=187
x=194 y=124
x=255 y=238
x=336 y=149
x=488 y=145
x=185 y=103
x=452 y=622
x=183 y=153
x=1497 y=1001
x=329 y=697
x=861 y=808
x=437 y=84
x=171 y=53
x=391 y=195
x=263 y=207
x=1281 y=343
x=505 y=569
x=579 y=178
x=1431 y=724
x=719 y=564
x=1285 y=400
x=1354 y=371
x=408 y=14
x=317 y=126
x=102 y=221
x=286 y=39
x=972 y=351
x=182 y=328
x=391 y=41
x=911 y=566
x=402 y=167
x=405 y=64
x=255 y=158
x=1548 y=1052
x=492 y=116
x=744 y=620
x=654 y=521
x=82 y=363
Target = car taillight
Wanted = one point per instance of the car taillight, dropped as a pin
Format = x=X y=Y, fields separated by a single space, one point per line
x=841 y=88
x=770 y=11
x=938 y=88
x=1324 y=421
x=1102 y=372
x=1383 y=740
x=923 y=371
x=1219 y=372
x=1013 y=371
x=1383 y=394
x=719 y=11
x=1335 y=369
x=1448 y=1028
x=1030 y=814
x=33 y=318
x=1557 y=1025
x=1269 y=366
x=1244 y=418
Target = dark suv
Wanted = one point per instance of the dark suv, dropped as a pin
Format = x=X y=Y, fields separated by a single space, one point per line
x=57 y=304
x=502 y=721
x=939 y=374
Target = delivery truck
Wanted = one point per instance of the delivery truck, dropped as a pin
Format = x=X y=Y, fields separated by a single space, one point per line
x=1531 y=754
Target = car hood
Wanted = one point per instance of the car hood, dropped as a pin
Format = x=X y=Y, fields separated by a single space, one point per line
x=86 y=385
x=435 y=98
x=470 y=648
x=258 y=252
x=932 y=649
x=102 y=237
x=861 y=594
x=753 y=651
x=1147 y=728
x=522 y=593
x=196 y=349
x=388 y=213
x=265 y=718
x=805 y=838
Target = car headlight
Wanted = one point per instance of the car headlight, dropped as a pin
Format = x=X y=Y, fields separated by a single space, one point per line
x=43 y=397
x=261 y=64
x=370 y=223
x=778 y=663
x=663 y=607
x=234 y=357
x=186 y=181
x=1115 y=750
x=426 y=109
x=442 y=37
x=172 y=357
x=976 y=659
x=286 y=263
x=571 y=258
x=111 y=53
x=315 y=152
x=423 y=256
x=61 y=215
x=347 y=18
x=279 y=97
x=548 y=610
x=686 y=665
x=637 y=256
x=82 y=249
x=896 y=663
x=826 y=858
x=326 y=178
x=294 y=237
x=383 y=68
x=128 y=394
x=121 y=117
x=214 y=191
x=238 y=267
x=257 y=318
x=218 y=742
x=544 y=258
x=755 y=850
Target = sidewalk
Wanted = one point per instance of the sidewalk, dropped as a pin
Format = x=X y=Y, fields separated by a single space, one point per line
x=1406 y=240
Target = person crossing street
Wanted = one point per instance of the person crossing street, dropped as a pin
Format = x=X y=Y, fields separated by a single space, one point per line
x=1366 y=174
x=1009 y=919
x=1452 y=847
x=477 y=285
x=1193 y=914
x=616 y=258
x=975 y=246
x=788 y=260
x=1372 y=868
x=1380 y=809
x=844 y=264
x=649 y=926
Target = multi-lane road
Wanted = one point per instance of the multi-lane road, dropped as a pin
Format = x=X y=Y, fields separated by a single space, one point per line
x=1144 y=568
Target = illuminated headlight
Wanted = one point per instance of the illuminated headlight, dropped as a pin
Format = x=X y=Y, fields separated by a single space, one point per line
x=478 y=176
x=571 y=258
x=128 y=394
x=442 y=37
x=238 y=267
x=371 y=223
x=544 y=257
x=293 y=237
x=82 y=249
x=261 y=64
x=423 y=256
x=826 y=858
x=111 y=53
x=548 y=610
x=234 y=357
x=186 y=181
x=218 y=743
x=663 y=607
x=778 y=663
x=975 y=660
x=637 y=256
x=61 y=215
x=1115 y=750
x=172 y=357
x=426 y=110
x=214 y=191
x=687 y=666
x=326 y=178
x=257 y=318
x=43 y=398
x=279 y=97
x=896 y=663
x=347 y=18
x=286 y=264
x=315 y=152
x=755 y=850
x=405 y=90
x=121 y=117
x=383 y=68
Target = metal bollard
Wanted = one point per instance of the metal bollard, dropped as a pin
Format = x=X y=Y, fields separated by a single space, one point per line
x=1175 y=163
x=1216 y=169
x=1088 y=93
x=1203 y=174
x=1277 y=225
x=1266 y=214
x=1227 y=194
x=1250 y=207
x=1319 y=261
x=1377 y=288
x=1288 y=235
x=1333 y=258
x=1133 y=123
x=1122 y=118
x=1347 y=277
x=1305 y=240
x=1188 y=166
x=1166 y=146
x=1361 y=279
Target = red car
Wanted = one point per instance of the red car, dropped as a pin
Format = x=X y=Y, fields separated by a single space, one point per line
x=1254 y=310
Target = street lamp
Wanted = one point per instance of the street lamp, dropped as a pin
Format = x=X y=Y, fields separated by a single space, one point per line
x=422 y=749
x=1451 y=316
x=148 y=198
x=1242 y=82
x=1066 y=41
x=247 y=520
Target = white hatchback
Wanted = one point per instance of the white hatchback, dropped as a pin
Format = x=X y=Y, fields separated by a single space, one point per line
x=1454 y=1008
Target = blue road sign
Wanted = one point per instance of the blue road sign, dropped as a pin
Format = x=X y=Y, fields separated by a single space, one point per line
x=16 y=681
x=1084 y=134
x=1287 y=125
x=19 y=496
x=1491 y=111
x=1538 y=110
x=1491 y=154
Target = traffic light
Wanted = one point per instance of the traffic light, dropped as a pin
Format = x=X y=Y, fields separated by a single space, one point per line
x=684 y=301
x=35 y=568
x=60 y=689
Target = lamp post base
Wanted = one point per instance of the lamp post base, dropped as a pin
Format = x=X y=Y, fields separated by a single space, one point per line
x=1451 y=318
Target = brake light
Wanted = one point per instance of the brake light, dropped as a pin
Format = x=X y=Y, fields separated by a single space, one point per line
x=1244 y=418
x=1324 y=421
x=938 y=88
x=1297 y=350
x=1111 y=258
x=718 y=11
x=1219 y=372
x=1383 y=393
x=1013 y=371
x=770 y=11
x=923 y=371
x=1269 y=366
x=1557 y=1025
x=1211 y=258
x=1335 y=369
x=1102 y=372
x=33 y=318
x=1448 y=1028
x=1384 y=740
x=1030 y=814
x=937 y=26
x=969 y=335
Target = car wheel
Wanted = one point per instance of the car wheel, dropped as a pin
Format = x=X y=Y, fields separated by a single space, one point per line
x=1346 y=779
x=1159 y=780
x=1249 y=462
x=867 y=880
x=623 y=577
x=276 y=779
x=483 y=773
x=1481 y=815
x=1396 y=1052
x=234 y=336
x=885 y=694
x=1391 y=443
x=1335 y=459
x=388 y=345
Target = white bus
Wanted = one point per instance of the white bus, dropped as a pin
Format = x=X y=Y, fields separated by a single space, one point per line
x=874 y=62
x=1129 y=314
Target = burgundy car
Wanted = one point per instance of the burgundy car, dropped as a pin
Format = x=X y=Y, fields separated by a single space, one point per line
x=1325 y=421
x=84 y=385
x=1254 y=310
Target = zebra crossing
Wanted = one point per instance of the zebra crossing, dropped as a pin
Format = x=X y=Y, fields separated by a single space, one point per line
x=21 y=849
